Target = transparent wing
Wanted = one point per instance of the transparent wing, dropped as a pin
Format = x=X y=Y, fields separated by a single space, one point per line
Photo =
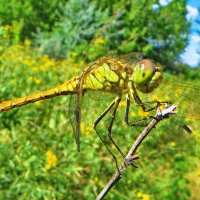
x=176 y=137
x=179 y=131
x=75 y=112
x=75 y=117
x=131 y=58
x=100 y=95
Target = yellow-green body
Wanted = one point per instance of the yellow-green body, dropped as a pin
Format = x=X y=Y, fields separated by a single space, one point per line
x=106 y=74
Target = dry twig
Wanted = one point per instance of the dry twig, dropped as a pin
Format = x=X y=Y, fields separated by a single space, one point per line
x=130 y=158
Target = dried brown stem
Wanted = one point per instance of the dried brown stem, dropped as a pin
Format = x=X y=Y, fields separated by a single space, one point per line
x=130 y=158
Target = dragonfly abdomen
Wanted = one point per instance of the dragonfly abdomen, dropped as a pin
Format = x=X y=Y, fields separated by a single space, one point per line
x=65 y=89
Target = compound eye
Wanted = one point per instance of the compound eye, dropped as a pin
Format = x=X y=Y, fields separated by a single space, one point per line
x=144 y=72
x=147 y=65
x=142 y=66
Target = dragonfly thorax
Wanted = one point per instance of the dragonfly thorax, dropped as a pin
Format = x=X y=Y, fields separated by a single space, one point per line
x=147 y=76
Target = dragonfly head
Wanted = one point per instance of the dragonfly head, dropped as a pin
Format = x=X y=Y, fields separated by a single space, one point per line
x=147 y=75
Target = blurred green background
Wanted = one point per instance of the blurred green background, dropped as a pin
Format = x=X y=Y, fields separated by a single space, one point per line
x=43 y=44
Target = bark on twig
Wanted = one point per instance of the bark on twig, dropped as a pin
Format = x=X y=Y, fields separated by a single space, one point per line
x=131 y=157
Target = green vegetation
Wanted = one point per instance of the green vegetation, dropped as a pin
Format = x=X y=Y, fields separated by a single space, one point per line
x=43 y=45
x=159 y=32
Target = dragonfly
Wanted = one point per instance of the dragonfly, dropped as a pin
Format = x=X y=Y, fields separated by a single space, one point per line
x=128 y=75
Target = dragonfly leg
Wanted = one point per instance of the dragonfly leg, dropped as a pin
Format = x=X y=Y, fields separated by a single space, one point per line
x=139 y=102
x=96 y=123
x=136 y=122
x=110 y=127
x=115 y=103
x=110 y=134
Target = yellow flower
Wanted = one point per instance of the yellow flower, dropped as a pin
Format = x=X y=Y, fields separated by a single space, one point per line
x=7 y=27
x=46 y=57
x=70 y=60
x=146 y=197
x=37 y=81
x=27 y=62
x=99 y=41
x=27 y=42
x=96 y=179
x=82 y=127
x=143 y=196
x=51 y=159
x=89 y=129
x=142 y=113
x=198 y=172
x=122 y=104
x=172 y=144
x=55 y=68
x=139 y=194
x=86 y=129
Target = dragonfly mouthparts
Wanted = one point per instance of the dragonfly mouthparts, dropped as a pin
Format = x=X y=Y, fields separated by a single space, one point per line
x=157 y=69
